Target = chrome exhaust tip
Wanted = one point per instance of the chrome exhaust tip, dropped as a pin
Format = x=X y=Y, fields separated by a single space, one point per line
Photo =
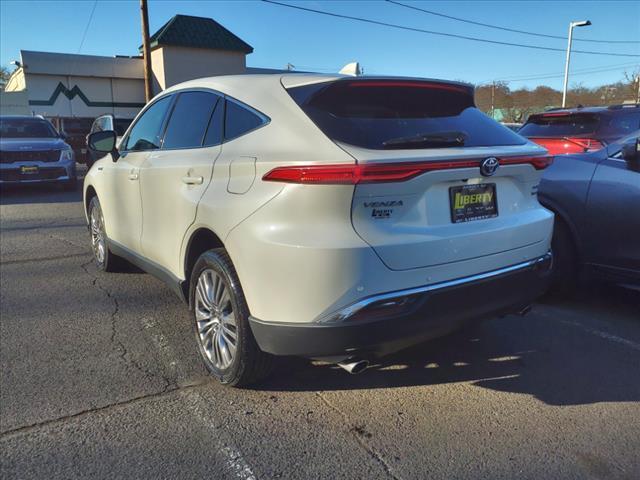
x=354 y=366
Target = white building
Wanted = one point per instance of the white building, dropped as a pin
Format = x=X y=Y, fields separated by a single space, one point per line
x=60 y=85
x=72 y=90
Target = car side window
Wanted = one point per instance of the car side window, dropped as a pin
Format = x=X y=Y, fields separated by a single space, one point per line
x=239 y=120
x=121 y=125
x=216 y=126
x=146 y=133
x=189 y=120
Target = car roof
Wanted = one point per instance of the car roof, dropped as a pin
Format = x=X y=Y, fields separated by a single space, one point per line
x=257 y=89
x=289 y=79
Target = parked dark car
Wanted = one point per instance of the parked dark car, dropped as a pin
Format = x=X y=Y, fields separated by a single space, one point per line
x=105 y=123
x=596 y=199
x=580 y=130
x=32 y=151
x=75 y=130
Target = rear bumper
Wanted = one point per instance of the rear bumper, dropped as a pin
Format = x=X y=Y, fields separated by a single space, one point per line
x=435 y=311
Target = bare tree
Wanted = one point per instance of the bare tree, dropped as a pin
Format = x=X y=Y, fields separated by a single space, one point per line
x=4 y=76
x=517 y=105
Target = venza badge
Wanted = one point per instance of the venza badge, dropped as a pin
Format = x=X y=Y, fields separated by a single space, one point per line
x=488 y=166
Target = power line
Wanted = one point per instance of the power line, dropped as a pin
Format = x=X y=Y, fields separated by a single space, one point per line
x=541 y=76
x=86 y=29
x=556 y=76
x=431 y=12
x=431 y=32
x=84 y=36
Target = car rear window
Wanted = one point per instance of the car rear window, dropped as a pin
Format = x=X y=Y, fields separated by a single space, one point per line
x=400 y=114
x=560 y=125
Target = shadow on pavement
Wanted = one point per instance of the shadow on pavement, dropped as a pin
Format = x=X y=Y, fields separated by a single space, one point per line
x=601 y=299
x=20 y=194
x=537 y=355
x=38 y=193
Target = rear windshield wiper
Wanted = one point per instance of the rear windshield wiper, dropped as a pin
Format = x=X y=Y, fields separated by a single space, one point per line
x=440 y=139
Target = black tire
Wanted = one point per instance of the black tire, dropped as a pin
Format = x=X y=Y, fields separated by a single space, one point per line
x=109 y=261
x=565 y=260
x=249 y=364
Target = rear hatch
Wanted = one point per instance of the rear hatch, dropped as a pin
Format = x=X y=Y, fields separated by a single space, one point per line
x=564 y=132
x=420 y=199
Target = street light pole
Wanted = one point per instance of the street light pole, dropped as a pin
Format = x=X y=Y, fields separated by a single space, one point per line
x=583 y=23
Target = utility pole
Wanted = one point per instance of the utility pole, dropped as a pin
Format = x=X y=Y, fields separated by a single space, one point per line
x=146 y=52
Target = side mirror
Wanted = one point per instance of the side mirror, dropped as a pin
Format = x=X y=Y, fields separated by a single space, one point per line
x=103 y=142
x=631 y=151
x=63 y=136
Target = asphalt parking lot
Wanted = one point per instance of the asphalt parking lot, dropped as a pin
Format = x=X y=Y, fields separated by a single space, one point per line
x=100 y=378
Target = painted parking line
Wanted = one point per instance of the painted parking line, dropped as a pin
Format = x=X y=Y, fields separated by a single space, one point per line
x=232 y=456
x=601 y=334
x=197 y=404
x=592 y=331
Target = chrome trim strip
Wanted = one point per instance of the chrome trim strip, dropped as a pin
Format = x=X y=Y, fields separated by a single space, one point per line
x=345 y=313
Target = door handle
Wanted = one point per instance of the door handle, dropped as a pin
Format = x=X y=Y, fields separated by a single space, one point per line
x=192 y=180
x=133 y=176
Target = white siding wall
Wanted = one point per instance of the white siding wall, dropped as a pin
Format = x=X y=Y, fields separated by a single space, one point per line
x=179 y=64
x=95 y=89
x=14 y=103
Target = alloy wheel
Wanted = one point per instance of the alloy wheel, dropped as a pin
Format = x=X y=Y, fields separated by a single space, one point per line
x=97 y=234
x=215 y=319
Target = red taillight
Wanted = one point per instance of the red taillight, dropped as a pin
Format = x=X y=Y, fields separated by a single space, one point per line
x=381 y=173
x=407 y=84
x=539 y=163
x=560 y=146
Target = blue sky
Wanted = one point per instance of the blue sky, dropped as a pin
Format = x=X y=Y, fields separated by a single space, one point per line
x=309 y=41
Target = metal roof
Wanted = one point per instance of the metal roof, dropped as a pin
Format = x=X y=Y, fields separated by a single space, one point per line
x=197 y=32
x=50 y=63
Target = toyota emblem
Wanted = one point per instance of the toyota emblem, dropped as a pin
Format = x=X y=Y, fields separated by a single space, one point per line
x=488 y=166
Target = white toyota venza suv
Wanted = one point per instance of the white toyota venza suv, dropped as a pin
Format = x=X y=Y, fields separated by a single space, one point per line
x=329 y=217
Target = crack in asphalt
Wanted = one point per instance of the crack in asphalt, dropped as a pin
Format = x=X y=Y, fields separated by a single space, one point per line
x=46 y=259
x=43 y=259
x=131 y=401
x=356 y=430
x=124 y=354
x=68 y=242
x=43 y=226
